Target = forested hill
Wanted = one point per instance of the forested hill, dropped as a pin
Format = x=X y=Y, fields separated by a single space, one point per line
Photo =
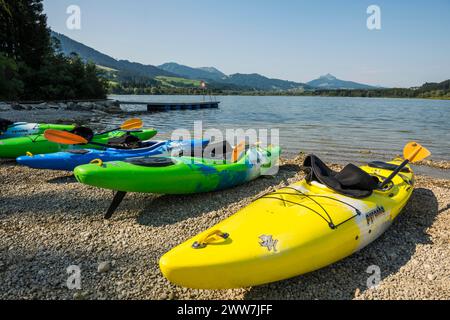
x=69 y=46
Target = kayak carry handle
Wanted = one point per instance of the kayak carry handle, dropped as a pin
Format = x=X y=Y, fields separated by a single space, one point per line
x=208 y=238
x=98 y=162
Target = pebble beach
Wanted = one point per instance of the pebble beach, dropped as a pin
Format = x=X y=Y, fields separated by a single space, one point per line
x=49 y=222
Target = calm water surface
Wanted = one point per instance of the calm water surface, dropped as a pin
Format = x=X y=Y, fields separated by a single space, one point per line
x=337 y=129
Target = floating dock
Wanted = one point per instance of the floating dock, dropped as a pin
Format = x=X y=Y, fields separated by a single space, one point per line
x=167 y=106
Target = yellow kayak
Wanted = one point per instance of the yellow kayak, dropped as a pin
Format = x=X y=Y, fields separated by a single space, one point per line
x=295 y=230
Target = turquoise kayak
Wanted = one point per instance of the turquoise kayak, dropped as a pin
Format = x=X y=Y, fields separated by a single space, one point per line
x=9 y=129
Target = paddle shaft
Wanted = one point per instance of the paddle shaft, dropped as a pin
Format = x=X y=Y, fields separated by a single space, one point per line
x=104 y=145
x=109 y=131
x=126 y=128
x=394 y=173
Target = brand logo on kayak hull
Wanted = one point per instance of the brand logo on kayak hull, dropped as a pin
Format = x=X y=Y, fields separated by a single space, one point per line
x=373 y=214
x=268 y=242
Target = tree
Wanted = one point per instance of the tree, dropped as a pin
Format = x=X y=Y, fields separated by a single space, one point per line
x=10 y=84
x=24 y=35
x=32 y=66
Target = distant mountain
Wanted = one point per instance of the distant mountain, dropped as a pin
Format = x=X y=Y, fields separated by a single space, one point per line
x=330 y=82
x=126 y=71
x=246 y=81
x=207 y=73
x=69 y=46
x=259 y=82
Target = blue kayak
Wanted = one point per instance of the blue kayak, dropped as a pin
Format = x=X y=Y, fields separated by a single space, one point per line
x=71 y=159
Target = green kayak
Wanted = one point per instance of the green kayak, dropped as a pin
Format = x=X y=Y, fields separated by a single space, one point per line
x=9 y=129
x=37 y=144
x=180 y=175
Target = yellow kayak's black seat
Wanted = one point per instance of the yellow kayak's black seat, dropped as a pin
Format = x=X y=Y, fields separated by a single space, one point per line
x=351 y=181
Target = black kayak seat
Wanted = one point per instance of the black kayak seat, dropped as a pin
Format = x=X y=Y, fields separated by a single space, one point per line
x=350 y=181
x=386 y=166
x=125 y=139
x=84 y=132
x=217 y=151
x=151 y=162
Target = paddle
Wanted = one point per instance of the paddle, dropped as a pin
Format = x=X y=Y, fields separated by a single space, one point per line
x=413 y=152
x=65 y=137
x=130 y=124
x=237 y=151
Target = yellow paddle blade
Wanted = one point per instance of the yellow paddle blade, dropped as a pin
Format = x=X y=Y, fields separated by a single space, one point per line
x=63 y=137
x=414 y=152
x=131 y=124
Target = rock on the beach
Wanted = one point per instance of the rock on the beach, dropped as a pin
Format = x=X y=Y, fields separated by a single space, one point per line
x=104 y=267
x=85 y=106
x=109 y=106
x=4 y=106
x=106 y=106
x=16 y=106
x=80 y=295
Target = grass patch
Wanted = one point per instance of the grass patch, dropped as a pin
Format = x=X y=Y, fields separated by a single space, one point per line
x=177 y=82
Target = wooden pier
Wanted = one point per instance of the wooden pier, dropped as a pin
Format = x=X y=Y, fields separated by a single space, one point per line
x=167 y=106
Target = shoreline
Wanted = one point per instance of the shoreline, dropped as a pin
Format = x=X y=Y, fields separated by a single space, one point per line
x=85 y=113
x=60 y=112
x=49 y=222
x=271 y=94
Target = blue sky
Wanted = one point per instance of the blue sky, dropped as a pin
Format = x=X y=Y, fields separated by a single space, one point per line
x=287 y=39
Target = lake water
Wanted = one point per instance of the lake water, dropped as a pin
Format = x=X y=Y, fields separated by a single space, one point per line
x=337 y=129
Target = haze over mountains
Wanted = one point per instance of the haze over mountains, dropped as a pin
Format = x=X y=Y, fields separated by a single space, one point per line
x=125 y=69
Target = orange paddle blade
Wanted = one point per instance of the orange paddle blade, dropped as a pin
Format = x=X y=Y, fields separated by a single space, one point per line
x=63 y=137
x=131 y=124
x=237 y=151
x=414 y=152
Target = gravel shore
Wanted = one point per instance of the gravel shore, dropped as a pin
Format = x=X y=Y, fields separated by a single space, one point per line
x=49 y=222
x=59 y=112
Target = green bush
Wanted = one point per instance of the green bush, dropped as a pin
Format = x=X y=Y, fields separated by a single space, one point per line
x=10 y=84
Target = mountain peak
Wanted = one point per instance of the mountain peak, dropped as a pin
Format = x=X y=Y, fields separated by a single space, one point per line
x=205 y=73
x=329 y=77
x=330 y=82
